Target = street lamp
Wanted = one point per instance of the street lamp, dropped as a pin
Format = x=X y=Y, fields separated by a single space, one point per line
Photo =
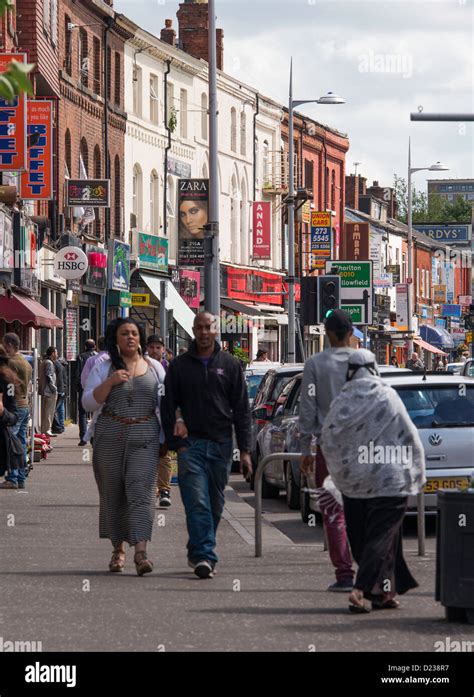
x=437 y=167
x=329 y=98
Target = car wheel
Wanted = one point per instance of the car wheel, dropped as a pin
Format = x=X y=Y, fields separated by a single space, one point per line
x=292 y=490
x=304 y=501
x=455 y=614
x=268 y=490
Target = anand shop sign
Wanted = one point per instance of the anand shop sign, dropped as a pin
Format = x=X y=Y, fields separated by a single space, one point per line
x=261 y=230
x=88 y=192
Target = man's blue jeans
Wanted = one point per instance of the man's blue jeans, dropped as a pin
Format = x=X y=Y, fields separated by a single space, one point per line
x=20 y=430
x=203 y=472
x=58 y=422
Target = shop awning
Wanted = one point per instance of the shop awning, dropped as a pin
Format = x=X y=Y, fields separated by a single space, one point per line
x=20 y=308
x=232 y=304
x=183 y=315
x=428 y=347
x=437 y=336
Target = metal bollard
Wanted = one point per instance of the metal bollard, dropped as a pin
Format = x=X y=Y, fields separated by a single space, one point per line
x=420 y=509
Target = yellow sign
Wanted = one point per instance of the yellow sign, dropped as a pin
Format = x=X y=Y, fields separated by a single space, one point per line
x=469 y=338
x=140 y=299
x=320 y=219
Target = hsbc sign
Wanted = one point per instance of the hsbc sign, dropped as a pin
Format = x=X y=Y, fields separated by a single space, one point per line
x=70 y=263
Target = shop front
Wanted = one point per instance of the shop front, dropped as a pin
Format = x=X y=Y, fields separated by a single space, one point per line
x=93 y=295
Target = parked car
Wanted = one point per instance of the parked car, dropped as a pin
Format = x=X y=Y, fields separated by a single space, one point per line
x=281 y=434
x=269 y=389
x=254 y=377
x=454 y=368
x=468 y=368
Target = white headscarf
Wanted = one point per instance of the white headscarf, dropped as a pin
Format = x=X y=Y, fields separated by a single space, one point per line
x=370 y=444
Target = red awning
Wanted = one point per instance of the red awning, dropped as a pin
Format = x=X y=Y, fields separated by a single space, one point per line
x=20 y=308
x=425 y=345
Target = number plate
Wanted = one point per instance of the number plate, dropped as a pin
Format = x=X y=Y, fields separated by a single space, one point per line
x=432 y=485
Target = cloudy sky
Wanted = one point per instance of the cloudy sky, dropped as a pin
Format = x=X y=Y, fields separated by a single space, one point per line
x=385 y=58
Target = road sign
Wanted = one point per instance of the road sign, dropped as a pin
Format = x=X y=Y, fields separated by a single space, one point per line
x=355 y=311
x=356 y=286
x=140 y=299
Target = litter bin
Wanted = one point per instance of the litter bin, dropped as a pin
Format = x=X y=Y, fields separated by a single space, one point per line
x=455 y=554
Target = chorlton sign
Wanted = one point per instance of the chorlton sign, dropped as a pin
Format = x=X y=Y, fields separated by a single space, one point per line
x=70 y=262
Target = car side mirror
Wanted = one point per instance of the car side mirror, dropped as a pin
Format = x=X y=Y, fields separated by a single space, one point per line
x=260 y=414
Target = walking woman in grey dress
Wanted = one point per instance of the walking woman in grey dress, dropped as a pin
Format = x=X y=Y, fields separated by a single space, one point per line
x=123 y=390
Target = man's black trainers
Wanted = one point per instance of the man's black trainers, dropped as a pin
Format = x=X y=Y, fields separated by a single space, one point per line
x=165 y=498
x=203 y=569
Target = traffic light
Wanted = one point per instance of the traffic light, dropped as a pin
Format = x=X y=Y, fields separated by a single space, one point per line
x=329 y=296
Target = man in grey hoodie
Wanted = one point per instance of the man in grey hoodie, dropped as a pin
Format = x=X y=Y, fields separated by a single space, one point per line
x=323 y=377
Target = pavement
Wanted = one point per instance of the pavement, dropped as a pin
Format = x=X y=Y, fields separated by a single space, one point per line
x=56 y=588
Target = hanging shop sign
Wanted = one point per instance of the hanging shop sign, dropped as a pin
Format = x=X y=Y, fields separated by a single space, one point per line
x=119 y=265
x=321 y=236
x=193 y=212
x=94 y=193
x=356 y=240
x=95 y=278
x=261 y=227
x=13 y=123
x=72 y=333
x=189 y=287
x=6 y=242
x=37 y=181
x=70 y=262
x=153 y=252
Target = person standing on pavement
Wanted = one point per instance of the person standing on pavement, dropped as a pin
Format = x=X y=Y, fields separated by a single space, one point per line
x=376 y=459
x=156 y=349
x=92 y=360
x=209 y=388
x=324 y=376
x=124 y=392
x=12 y=457
x=48 y=390
x=61 y=367
x=415 y=363
x=18 y=363
x=89 y=350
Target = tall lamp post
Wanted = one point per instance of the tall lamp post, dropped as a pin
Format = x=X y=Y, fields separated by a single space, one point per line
x=329 y=98
x=437 y=167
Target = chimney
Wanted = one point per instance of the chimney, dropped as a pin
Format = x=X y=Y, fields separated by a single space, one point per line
x=168 y=34
x=110 y=3
x=193 y=21
x=375 y=184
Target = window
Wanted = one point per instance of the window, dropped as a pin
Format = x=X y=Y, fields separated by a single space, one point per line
x=154 y=99
x=54 y=22
x=84 y=153
x=204 y=116
x=96 y=50
x=308 y=174
x=417 y=290
x=170 y=108
x=137 y=90
x=266 y=163
x=97 y=175
x=243 y=134
x=47 y=16
x=154 y=214
x=67 y=46
x=117 y=79
x=404 y=268
x=233 y=130
x=117 y=199
x=84 y=58
x=137 y=195
x=333 y=191
x=183 y=114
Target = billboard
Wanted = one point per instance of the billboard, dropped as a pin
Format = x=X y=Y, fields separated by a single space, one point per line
x=356 y=240
x=12 y=124
x=261 y=227
x=37 y=181
x=321 y=239
x=193 y=211
x=119 y=265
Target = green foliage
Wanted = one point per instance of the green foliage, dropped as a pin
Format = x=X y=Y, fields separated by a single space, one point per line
x=6 y=5
x=432 y=209
x=15 y=79
x=173 y=120
x=241 y=355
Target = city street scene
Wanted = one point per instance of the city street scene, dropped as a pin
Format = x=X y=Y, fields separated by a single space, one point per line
x=236 y=338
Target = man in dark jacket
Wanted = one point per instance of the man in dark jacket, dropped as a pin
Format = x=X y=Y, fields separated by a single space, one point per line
x=89 y=350
x=209 y=388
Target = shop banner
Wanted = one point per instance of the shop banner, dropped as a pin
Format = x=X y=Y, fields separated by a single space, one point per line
x=88 y=192
x=261 y=226
x=13 y=123
x=95 y=278
x=119 y=265
x=37 y=181
x=153 y=252
x=356 y=239
x=190 y=287
x=193 y=211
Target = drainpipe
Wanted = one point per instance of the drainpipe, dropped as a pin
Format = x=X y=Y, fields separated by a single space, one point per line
x=167 y=149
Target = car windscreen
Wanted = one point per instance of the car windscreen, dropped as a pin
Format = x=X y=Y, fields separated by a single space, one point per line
x=279 y=383
x=439 y=406
x=253 y=382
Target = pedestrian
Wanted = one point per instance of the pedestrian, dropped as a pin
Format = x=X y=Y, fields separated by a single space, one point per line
x=61 y=368
x=440 y=365
x=262 y=356
x=465 y=356
x=209 y=388
x=394 y=362
x=48 y=390
x=89 y=351
x=415 y=363
x=12 y=456
x=169 y=355
x=324 y=376
x=156 y=349
x=18 y=363
x=376 y=459
x=124 y=393
x=92 y=360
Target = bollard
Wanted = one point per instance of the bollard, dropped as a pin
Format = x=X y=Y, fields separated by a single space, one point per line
x=420 y=509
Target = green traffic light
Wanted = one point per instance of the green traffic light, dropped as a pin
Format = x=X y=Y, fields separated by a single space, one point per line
x=328 y=313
